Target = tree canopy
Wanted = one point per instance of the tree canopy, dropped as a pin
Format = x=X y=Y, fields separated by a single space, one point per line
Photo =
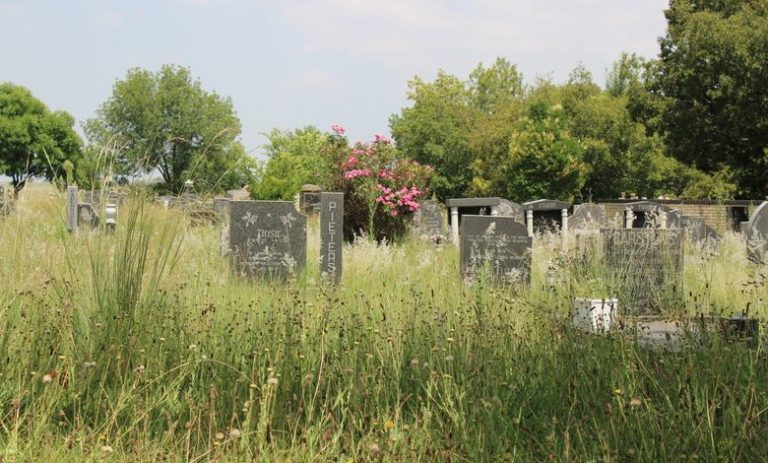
x=34 y=141
x=166 y=121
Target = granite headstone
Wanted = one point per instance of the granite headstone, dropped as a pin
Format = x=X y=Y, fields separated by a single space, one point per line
x=497 y=245
x=698 y=231
x=266 y=238
x=646 y=266
x=87 y=216
x=72 y=208
x=757 y=234
x=429 y=220
x=331 y=235
x=507 y=208
x=587 y=216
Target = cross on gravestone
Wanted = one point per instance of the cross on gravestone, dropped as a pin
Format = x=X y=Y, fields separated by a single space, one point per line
x=87 y=216
x=429 y=221
x=266 y=239
x=645 y=266
x=587 y=216
x=499 y=245
x=72 y=208
x=331 y=235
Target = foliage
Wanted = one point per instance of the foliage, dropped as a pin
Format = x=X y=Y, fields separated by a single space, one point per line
x=381 y=188
x=166 y=121
x=136 y=346
x=710 y=77
x=34 y=142
x=294 y=160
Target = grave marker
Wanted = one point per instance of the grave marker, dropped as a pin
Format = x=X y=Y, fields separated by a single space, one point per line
x=429 y=220
x=331 y=235
x=267 y=238
x=499 y=244
x=587 y=216
x=646 y=266
x=757 y=234
x=87 y=216
x=72 y=208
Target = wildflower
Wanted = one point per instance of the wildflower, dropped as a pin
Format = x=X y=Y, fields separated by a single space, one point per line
x=338 y=130
x=618 y=391
x=234 y=433
x=139 y=369
x=193 y=347
x=253 y=386
x=273 y=381
x=374 y=447
x=62 y=357
x=106 y=449
x=389 y=425
x=219 y=435
x=47 y=378
x=634 y=403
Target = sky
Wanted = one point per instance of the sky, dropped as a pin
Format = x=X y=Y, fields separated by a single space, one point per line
x=292 y=63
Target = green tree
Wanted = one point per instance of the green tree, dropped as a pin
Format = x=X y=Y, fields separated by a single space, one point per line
x=34 y=141
x=294 y=160
x=168 y=122
x=711 y=76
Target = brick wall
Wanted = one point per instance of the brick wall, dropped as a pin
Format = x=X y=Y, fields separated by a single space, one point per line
x=715 y=213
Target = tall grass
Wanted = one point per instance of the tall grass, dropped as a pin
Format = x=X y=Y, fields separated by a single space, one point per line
x=138 y=346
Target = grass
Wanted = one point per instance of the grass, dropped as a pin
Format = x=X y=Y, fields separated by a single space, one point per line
x=137 y=346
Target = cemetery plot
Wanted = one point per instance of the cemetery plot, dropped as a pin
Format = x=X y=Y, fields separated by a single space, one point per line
x=645 y=266
x=266 y=239
x=499 y=246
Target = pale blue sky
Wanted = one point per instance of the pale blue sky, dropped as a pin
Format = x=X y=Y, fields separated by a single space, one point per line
x=291 y=63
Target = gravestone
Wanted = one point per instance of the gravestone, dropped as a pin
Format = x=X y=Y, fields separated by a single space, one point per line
x=757 y=234
x=674 y=218
x=507 y=208
x=698 y=230
x=331 y=235
x=587 y=216
x=310 y=199
x=546 y=215
x=72 y=208
x=87 y=216
x=220 y=205
x=266 y=239
x=645 y=266
x=499 y=245
x=429 y=221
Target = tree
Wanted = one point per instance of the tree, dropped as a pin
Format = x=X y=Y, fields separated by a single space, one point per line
x=294 y=160
x=711 y=76
x=33 y=140
x=168 y=122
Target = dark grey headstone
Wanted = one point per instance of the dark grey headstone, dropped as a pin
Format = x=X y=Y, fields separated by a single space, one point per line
x=267 y=238
x=645 y=266
x=331 y=235
x=698 y=230
x=587 y=216
x=87 y=216
x=429 y=220
x=72 y=208
x=309 y=202
x=757 y=234
x=499 y=245
x=744 y=228
x=508 y=208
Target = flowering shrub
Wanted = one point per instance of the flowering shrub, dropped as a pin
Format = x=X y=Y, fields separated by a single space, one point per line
x=381 y=189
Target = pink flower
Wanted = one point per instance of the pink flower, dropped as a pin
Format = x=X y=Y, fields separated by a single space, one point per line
x=338 y=130
x=393 y=213
x=351 y=161
x=379 y=138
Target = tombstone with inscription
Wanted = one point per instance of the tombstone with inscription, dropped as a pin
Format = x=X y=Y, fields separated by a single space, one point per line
x=87 y=216
x=331 y=235
x=309 y=199
x=499 y=246
x=428 y=221
x=587 y=216
x=647 y=214
x=72 y=208
x=757 y=235
x=266 y=239
x=645 y=266
x=546 y=215
x=698 y=231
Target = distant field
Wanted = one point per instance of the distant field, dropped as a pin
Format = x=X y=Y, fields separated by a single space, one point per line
x=138 y=346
